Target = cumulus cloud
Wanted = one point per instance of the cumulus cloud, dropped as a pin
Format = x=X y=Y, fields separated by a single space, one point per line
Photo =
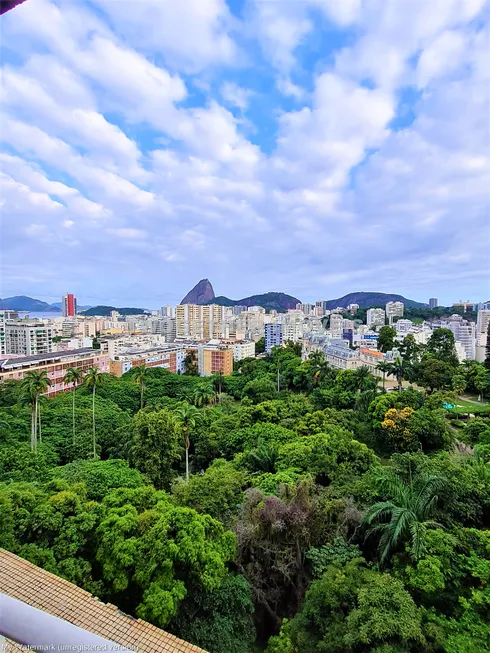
x=362 y=162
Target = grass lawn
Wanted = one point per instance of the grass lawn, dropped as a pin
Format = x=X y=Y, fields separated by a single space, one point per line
x=464 y=406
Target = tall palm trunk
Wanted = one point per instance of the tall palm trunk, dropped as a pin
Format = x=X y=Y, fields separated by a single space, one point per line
x=384 y=376
x=93 y=421
x=187 y=446
x=73 y=409
x=39 y=419
x=142 y=391
x=33 y=428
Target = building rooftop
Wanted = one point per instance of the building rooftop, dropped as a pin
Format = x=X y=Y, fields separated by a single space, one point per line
x=42 y=590
x=45 y=358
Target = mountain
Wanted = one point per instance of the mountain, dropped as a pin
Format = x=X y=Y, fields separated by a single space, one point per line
x=23 y=303
x=277 y=301
x=202 y=293
x=106 y=310
x=371 y=299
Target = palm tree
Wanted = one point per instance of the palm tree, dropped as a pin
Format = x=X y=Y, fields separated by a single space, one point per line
x=401 y=369
x=204 y=394
x=384 y=366
x=73 y=375
x=364 y=380
x=188 y=416
x=406 y=516
x=32 y=385
x=218 y=383
x=319 y=365
x=93 y=378
x=140 y=375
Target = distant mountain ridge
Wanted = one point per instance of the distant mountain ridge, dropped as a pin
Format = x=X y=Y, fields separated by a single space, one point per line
x=271 y=301
x=371 y=299
x=104 y=311
x=24 y=303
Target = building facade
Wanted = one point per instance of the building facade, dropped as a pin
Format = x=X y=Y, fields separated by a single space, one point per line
x=394 y=309
x=28 y=338
x=273 y=336
x=69 y=305
x=170 y=358
x=375 y=317
x=433 y=302
x=55 y=364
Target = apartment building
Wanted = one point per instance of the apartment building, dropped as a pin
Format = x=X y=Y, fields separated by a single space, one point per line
x=464 y=333
x=69 y=305
x=119 y=344
x=482 y=325
x=241 y=348
x=466 y=306
x=194 y=321
x=55 y=364
x=394 y=309
x=375 y=317
x=403 y=326
x=306 y=309
x=342 y=357
x=28 y=338
x=170 y=358
x=213 y=359
x=371 y=358
x=273 y=336
x=433 y=303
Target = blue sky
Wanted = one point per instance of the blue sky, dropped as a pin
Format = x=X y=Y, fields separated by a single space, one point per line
x=316 y=147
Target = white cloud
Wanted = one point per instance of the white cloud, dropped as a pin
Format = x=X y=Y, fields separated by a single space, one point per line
x=235 y=95
x=112 y=153
x=191 y=35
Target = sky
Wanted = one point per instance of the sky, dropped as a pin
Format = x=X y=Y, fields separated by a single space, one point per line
x=314 y=147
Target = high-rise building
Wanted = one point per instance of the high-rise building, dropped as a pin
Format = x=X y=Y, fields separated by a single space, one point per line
x=28 y=339
x=466 y=306
x=433 y=303
x=375 y=317
x=394 y=309
x=273 y=336
x=200 y=322
x=69 y=303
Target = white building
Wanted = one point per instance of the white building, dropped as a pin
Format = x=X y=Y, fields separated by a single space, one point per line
x=482 y=322
x=341 y=357
x=241 y=349
x=394 y=309
x=28 y=338
x=403 y=326
x=375 y=317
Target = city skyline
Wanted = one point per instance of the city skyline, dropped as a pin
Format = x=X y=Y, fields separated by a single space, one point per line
x=313 y=148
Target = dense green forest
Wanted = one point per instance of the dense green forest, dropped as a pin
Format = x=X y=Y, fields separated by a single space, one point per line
x=287 y=508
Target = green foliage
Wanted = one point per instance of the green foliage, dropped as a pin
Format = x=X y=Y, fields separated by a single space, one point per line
x=292 y=473
x=218 y=620
x=260 y=346
x=190 y=363
x=157 y=446
x=405 y=515
x=261 y=389
x=158 y=553
x=351 y=608
x=441 y=346
x=217 y=492
x=386 y=338
x=329 y=456
x=338 y=553
x=99 y=476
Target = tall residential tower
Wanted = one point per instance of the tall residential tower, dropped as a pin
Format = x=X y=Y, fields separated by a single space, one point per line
x=69 y=303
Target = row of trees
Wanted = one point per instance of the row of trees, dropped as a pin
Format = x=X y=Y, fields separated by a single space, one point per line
x=287 y=507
